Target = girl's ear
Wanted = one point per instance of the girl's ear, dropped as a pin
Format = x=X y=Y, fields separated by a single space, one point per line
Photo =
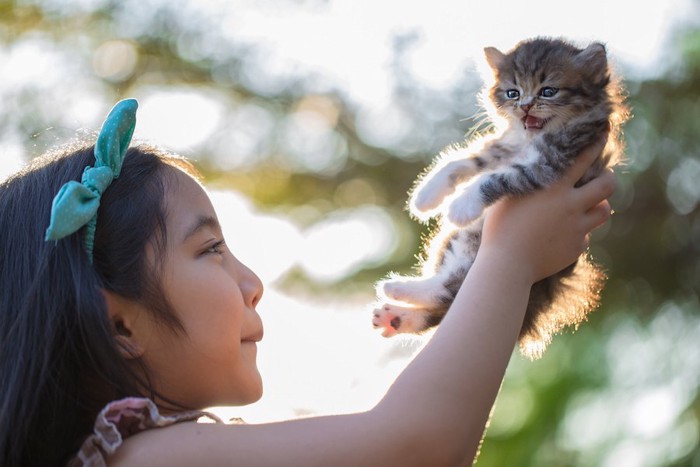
x=123 y=314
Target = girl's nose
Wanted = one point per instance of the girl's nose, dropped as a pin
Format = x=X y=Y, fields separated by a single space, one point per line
x=252 y=287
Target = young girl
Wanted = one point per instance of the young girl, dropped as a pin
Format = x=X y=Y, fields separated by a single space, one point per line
x=131 y=317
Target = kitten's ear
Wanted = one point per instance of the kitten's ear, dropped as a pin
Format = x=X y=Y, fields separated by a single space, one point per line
x=594 y=60
x=494 y=57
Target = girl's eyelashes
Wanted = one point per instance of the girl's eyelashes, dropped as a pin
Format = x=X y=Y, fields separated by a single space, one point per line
x=217 y=247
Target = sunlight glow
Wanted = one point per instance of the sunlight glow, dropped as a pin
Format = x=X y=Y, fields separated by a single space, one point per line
x=246 y=138
x=450 y=34
x=320 y=358
x=115 y=60
x=383 y=126
x=11 y=157
x=312 y=144
x=179 y=118
x=345 y=242
x=329 y=250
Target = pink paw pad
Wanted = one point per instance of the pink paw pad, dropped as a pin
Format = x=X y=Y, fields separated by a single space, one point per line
x=384 y=318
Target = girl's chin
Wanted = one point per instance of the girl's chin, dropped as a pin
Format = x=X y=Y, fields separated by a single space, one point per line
x=252 y=391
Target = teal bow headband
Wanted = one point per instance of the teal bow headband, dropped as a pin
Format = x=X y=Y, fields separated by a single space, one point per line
x=75 y=205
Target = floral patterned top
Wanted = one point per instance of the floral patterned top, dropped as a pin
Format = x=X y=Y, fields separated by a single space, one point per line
x=121 y=419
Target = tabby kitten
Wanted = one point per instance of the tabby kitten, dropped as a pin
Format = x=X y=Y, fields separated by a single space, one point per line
x=556 y=100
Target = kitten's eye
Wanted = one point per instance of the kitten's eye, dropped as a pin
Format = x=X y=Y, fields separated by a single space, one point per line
x=512 y=94
x=548 y=92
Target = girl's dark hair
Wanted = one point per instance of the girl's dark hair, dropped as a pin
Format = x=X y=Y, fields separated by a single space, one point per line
x=59 y=361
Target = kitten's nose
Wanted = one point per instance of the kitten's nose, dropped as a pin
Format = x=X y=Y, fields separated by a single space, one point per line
x=526 y=107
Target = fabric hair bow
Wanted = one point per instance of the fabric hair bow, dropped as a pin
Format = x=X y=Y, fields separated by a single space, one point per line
x=76 y=203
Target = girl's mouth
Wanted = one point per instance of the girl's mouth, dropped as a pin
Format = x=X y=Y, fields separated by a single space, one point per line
x=256 y=337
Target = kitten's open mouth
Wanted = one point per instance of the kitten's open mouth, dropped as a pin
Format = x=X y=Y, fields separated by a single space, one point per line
x=532 y=122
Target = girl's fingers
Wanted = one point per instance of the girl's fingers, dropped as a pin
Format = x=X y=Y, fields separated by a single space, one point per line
x=597 y=216
x=597 y=190
x=585 y=160
x=586 y=243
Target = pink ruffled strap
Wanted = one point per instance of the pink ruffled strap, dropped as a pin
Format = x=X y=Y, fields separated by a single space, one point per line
x=121 y=419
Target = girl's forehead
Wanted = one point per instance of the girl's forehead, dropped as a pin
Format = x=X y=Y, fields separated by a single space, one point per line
x=187 y=202
x=182 y=183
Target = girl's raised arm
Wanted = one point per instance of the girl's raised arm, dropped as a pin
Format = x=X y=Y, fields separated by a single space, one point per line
x=435 y=412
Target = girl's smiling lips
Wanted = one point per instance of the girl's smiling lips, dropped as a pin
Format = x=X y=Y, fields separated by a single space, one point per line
x=255 y=337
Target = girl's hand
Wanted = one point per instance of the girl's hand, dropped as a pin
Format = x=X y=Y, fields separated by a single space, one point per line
x=546 y=231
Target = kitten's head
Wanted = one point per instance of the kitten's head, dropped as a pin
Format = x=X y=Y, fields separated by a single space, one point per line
x=543 y=83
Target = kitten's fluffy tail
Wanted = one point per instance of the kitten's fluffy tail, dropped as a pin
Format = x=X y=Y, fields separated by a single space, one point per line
x=563 y=300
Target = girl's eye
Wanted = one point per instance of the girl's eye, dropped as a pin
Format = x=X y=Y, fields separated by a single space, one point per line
x=512 y=94
x=217 y=247
x=548 y=92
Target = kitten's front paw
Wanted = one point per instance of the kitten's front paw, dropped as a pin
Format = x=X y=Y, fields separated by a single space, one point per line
x=425 y=201
x=428 y=196
x=465 y=208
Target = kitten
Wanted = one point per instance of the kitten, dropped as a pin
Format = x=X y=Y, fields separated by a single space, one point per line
x=556 y=100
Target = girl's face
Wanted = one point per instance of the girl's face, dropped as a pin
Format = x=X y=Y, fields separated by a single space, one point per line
x=213 y=362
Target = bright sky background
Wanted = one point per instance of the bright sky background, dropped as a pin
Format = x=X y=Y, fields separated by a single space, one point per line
x=349 y=39
x=324 y=357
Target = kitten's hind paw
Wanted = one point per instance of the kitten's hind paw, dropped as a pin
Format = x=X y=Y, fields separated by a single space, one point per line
x=397 y=319
x=383 y=318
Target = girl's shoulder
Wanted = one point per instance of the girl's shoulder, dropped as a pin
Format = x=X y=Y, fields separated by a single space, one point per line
x=121 y=419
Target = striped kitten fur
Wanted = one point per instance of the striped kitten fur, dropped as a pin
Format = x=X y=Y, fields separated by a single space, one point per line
x=555 y=100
